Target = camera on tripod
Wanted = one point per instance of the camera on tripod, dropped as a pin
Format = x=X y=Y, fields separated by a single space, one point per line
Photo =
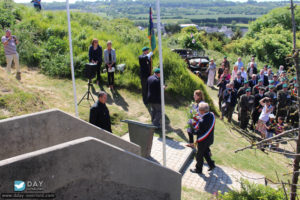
x=89 y=72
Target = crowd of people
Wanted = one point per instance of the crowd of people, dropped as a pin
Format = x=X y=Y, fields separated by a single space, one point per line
x=261 y=97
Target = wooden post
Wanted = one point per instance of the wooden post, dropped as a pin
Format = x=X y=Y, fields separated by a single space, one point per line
x=296 y=62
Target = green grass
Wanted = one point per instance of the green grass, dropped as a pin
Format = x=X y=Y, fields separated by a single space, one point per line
x=191 y=194
x=57 y=93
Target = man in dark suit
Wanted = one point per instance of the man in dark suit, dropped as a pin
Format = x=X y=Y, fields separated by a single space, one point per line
x=205 y=138
x=99 y=113
x=145 y=71
x=253 y=81
x=154 y=97
x=263 y=77
x=251 y=70
x=238 y=81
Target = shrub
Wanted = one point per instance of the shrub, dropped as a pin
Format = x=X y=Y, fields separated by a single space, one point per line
x=253 y=191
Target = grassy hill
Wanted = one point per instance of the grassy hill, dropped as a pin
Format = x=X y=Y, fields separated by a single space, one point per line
x=43 y=92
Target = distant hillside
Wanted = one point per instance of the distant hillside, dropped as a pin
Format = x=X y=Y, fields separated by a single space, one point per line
x=174 y=11
x=44 y=44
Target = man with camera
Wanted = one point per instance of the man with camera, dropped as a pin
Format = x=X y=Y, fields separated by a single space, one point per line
x=10 y=49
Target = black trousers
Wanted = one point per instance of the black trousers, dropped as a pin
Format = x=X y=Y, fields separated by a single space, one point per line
x=98 y=72
x=203 y=152
x=110 y=75
x=191 y=137
x=144 y=89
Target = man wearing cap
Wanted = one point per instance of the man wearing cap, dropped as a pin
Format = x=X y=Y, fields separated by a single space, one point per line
x=272 y=95
x=275 y=79
x=282 y=82
x=145 y=71
x=99 y=113
x=263 y=77
x=271 y=82
x=243 y=89
x=238 y=82
x=257 y=108
x=245 y=107
x=255 y=89
x=226 y=63
x=153 y=97
x=284 y=101
x=10 y=42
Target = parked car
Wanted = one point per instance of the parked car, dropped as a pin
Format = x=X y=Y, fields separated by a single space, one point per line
x=199 y=65
x=187 y=53
x=184 y=53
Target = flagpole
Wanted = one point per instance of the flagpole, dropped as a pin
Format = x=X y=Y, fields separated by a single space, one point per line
x=71 y=58
x=161 y=84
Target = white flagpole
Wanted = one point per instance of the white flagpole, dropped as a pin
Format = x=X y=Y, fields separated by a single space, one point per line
x=71 y=57
x=161 y=84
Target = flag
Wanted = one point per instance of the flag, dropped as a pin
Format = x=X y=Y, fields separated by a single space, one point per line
x=151 y=33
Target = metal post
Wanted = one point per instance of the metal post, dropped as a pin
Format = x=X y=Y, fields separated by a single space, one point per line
x=161 y=84
x=296 y=62
x=71 y=58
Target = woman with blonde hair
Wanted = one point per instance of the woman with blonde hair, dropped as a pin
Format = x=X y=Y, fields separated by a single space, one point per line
x=110 y=63
x=198 y=98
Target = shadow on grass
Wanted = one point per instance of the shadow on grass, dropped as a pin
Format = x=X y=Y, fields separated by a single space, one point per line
x=119 y=100
x=170 y=129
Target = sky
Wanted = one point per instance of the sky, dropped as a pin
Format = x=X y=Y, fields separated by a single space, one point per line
x=72 y=1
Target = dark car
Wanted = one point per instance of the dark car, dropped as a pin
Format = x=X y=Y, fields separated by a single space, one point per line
x=184 y=53
x=199 y=65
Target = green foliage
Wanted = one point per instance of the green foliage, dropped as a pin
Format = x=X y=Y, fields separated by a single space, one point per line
x=253 y=191
x=271 y=45
x=276 y=17
x=44 y=44
x=191 y=42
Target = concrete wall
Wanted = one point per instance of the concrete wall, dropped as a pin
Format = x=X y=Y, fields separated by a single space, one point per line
x=88 y=168
x=28 y=133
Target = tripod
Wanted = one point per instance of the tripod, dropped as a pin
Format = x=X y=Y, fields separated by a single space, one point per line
x=88 y=93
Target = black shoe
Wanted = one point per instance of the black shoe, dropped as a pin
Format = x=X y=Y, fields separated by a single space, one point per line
x=211 y=168
x=196 y=171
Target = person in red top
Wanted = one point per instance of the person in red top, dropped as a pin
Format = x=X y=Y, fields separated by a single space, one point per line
x=226 y=75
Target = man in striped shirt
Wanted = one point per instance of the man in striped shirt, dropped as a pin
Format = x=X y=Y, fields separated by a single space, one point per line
x=10 y=49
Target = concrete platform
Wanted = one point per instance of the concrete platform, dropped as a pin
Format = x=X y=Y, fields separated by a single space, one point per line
x=178 y=155
x=220 y=179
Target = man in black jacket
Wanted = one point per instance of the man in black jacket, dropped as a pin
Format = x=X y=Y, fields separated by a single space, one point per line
x=145 y=71
x=238 y=81
x=154 y=97
x=99 y=113
x=263 y=77
x=205 y=138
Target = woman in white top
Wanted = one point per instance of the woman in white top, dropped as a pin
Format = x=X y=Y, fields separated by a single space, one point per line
x=211 y=73
x=264 y=116
x=234 y=72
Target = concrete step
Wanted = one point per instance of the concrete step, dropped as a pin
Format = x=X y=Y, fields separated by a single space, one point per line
x=178 y=155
